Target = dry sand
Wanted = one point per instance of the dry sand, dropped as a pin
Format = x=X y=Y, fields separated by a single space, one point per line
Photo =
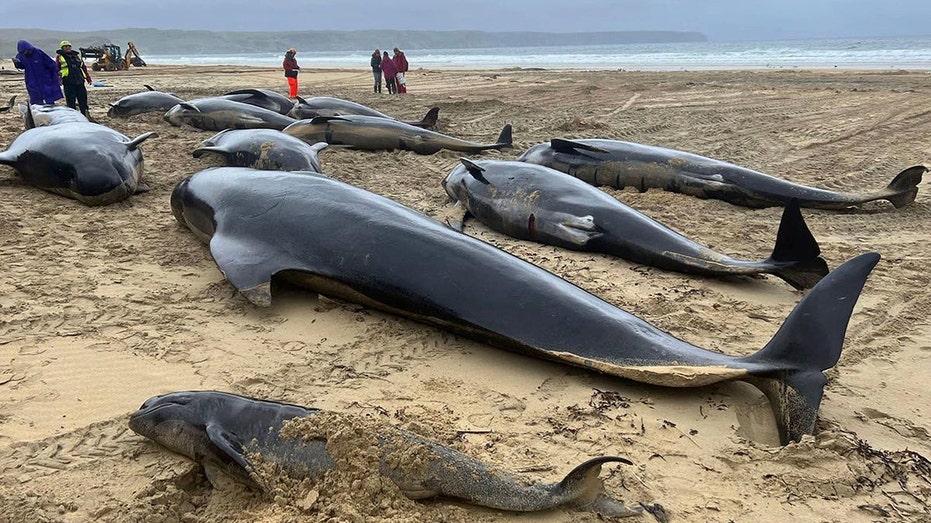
x=101 y=308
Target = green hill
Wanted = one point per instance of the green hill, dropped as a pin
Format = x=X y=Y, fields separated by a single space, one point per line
x=160 y=42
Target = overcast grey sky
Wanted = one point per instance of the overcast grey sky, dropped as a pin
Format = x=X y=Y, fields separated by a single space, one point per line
x=720 y=20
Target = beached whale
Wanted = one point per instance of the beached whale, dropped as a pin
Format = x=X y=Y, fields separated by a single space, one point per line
x=328 y=106
x=223 y=431
x=533 y=202
x=347 y=243
x=85 y=161
x=382 y=134
x=625 y=164
x=150 y=100
x=217 y=114
x=265 y=149
x=41 y=115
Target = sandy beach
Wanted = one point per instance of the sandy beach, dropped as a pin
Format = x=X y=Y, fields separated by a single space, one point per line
x=102 y=308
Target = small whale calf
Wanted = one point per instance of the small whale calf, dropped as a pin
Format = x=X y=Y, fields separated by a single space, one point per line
x=222 y=431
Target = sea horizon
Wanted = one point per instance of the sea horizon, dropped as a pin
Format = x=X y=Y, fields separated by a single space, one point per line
x=907 y=52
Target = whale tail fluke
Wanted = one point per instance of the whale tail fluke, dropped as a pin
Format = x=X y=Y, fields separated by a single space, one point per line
x=797 y=252
x=505 y=140
x=583 y=489
x=904 y=187
x=789 y=368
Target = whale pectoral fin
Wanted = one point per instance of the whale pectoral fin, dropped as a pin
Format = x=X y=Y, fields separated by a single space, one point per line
x=319 y=146
x=474 y=169
x=134 y=143
x=197 y=153
x=249 y=267
x=142 y=188
x=567 y=228
x=149 y=87
x=708 y=177
x=455 y=216
x=229 y=449
x=213 y=140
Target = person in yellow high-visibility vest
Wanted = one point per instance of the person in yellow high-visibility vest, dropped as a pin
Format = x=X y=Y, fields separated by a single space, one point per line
x=73 y=73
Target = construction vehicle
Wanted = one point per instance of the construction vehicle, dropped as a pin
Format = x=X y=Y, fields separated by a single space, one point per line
x=109 y=57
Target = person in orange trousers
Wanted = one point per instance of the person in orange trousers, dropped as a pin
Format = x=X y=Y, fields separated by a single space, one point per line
x=290 y=71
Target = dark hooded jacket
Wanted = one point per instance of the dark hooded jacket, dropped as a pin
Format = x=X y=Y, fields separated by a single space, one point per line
x=41 y=73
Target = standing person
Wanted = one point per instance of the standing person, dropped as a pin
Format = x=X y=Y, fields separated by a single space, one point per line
x=389 y=70
x=41 y=73
x=376 y=69
x=73 y=73
x=290 y=71
x=400 y=63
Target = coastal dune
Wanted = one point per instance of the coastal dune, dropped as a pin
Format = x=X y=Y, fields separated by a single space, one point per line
x=102 y=308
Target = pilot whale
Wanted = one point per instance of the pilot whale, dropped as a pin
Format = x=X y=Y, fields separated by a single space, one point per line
x=329 y=106
x=347 y=243
x=625 y=164
x=266 y=149
x=150 y=100
x=85 y=161
x=533 y=202
x=382 y=134
x=217 y=114
x=223 y=431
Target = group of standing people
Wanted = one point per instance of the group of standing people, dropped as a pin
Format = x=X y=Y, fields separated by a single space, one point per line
x=389 y=68
x=45 y=77
x=392 y=69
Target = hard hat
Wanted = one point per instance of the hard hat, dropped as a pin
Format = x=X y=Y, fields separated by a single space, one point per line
x=64 y=43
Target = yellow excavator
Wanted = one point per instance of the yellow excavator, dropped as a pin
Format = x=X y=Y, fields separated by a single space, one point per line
x=109 y=57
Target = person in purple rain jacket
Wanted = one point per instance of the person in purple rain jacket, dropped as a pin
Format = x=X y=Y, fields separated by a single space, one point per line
x=41 y=73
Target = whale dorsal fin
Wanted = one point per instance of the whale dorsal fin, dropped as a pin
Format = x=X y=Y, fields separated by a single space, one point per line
x=149 y=87
x=325 y=119
x=475 y=170
x=570 y=147
x=190 y=107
